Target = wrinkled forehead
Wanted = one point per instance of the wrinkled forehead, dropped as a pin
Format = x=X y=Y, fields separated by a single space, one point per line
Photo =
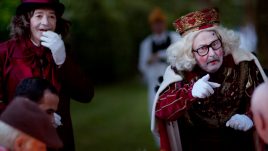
x=205 y=37
x=206 y=34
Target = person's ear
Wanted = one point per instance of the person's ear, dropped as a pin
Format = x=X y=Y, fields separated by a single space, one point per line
x=261 y=126
x=263 y=123
x=20 y=142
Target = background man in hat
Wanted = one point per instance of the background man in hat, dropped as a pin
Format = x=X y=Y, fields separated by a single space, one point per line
x=152 y=55
x=24 y=126
x=204 y=100
x=36 y=49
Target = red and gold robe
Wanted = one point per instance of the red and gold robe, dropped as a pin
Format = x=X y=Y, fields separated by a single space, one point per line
x=201 y=122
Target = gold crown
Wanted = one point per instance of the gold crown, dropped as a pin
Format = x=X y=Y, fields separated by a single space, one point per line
x=197 y=20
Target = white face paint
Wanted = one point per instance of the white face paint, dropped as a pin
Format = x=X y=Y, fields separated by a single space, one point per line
x=42 y=20
x=213 y=60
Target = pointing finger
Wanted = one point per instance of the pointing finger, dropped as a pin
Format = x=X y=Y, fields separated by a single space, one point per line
x=206 y=77
x=214 y=85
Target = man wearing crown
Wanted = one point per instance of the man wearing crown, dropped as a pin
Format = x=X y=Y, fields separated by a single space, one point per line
x=203 y=104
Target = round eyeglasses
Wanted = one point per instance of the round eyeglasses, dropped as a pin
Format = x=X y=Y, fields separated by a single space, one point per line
x=215 y=45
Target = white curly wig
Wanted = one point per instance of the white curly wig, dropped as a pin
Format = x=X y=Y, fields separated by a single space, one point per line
x=180 y=53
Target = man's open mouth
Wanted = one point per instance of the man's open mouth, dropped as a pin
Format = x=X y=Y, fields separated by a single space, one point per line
x=43 y=30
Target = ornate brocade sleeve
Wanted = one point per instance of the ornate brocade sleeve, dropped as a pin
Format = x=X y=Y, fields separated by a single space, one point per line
x=173 y=101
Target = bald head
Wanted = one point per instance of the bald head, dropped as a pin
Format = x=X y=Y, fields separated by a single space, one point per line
x=259 y=107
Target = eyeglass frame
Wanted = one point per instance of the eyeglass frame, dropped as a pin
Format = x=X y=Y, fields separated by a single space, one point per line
x=209 y=46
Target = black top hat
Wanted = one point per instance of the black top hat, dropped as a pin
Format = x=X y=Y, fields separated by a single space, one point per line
x=28 y=5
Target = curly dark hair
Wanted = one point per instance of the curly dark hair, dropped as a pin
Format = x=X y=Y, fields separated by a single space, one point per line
x=34 y=88
x=20 y=25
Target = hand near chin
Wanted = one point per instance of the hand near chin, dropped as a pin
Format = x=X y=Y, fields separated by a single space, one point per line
x=54 y=42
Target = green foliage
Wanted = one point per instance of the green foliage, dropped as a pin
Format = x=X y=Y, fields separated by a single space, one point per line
x=106 y=33
x=108 y=38
x=7 y=10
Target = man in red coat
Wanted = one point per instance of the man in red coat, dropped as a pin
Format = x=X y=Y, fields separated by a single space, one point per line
x=203 y=103
x=36 y=49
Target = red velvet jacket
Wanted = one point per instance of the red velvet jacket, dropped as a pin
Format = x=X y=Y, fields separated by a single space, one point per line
x=20 y=59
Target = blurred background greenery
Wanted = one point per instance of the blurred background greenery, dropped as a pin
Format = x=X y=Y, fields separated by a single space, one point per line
x=116 y=120
x=106 y=35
